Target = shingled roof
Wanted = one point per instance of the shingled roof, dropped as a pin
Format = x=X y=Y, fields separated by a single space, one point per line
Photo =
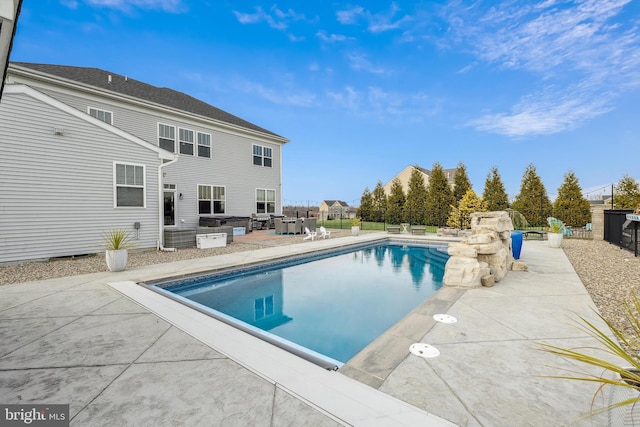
x=123 y=85
x=333 y=202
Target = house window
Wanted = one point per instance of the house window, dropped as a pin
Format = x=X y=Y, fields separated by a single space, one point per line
x=265 y=201
x=167 y=137
x=129 y=185
x=267 y=156
x=211 y=199
x=186 y=141
x=262 y=156
x=204 y=145
x=257 y=155
x=218 y=200
x=105 y=116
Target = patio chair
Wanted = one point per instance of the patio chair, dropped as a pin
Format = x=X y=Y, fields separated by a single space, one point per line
x=310 y=234
x=278 y=225
x=324 y=233
x=295 y=227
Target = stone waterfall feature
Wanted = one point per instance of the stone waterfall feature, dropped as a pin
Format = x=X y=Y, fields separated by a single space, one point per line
x=484 y=257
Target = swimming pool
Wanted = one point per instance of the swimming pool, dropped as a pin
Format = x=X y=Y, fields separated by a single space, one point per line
x=327 y=306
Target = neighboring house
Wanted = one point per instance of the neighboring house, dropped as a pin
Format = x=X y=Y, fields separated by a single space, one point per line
x=333 y=209
x=85 y=150
x=405 y=175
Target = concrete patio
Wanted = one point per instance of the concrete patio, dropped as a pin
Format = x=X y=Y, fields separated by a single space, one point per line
x=120 y=354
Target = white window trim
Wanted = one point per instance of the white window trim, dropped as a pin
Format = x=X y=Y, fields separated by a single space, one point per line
x=262 y=156
x=211 y=186
x=275 y=202
x=180 y=141
x=198 y=199
x=265 y=157
x=89 y=108
x=197 y=153
x=176 y=148
x=144 y=185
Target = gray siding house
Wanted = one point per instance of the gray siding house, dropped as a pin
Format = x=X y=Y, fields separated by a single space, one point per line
x=85 y=150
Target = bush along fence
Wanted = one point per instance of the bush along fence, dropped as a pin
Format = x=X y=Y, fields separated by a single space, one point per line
x=460 y=219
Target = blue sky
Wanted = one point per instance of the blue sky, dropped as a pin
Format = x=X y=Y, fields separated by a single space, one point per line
x=364 y=89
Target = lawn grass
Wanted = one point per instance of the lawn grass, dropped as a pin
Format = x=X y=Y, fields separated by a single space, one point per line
x=365 y=225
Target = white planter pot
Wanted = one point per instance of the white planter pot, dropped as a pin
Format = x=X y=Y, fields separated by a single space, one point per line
x=355 y=230
x=116 y=260
x=555 y=240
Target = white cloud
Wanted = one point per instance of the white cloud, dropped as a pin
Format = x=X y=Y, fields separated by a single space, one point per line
x=277 y=18
x=349 y=16
x=467 y=68
x=249 y=18
x=283 y=96
x=359 y=62
x=331 y=38
x=537 y=114
x=348 y=99
x=173 y=6
x=580 y=49
x=378 y=22
x=261 y=16
x=540 y=37
x=289 y=14
x=385 y=106
x=385 y=22
x=71 y=4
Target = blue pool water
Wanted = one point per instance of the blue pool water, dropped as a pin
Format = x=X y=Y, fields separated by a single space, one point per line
x=334 y=304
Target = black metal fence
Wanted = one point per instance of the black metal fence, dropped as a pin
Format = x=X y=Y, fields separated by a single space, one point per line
x=444 y=219
x=621 y=231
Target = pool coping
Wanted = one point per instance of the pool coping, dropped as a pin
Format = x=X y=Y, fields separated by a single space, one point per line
x=351 y=397
x=371 y=365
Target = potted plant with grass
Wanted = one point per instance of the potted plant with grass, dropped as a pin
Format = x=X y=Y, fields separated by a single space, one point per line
x=618 y=367
x=556 y=232
x=117 y=243
x=355 y=226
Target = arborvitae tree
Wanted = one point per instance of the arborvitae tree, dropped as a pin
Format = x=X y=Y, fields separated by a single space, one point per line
x=439 y=197
x=416 y=197
x=365 y=211
x=533 y=201
x=461 y=183
x=461 y=216
x=627 y=193
x=494 y=195
x=395 y=203
x=379 y=202
x=570 y=206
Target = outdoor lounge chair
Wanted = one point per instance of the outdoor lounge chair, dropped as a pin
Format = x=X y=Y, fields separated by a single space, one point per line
x=295 y=227
x=324 y=233
x=310 y=234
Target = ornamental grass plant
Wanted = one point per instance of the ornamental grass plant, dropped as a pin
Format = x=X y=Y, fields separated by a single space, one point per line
x=117 y=239
x=623 y=346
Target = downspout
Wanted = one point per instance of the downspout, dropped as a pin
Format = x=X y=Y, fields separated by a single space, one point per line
x=159 y=244
x=280 y=181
